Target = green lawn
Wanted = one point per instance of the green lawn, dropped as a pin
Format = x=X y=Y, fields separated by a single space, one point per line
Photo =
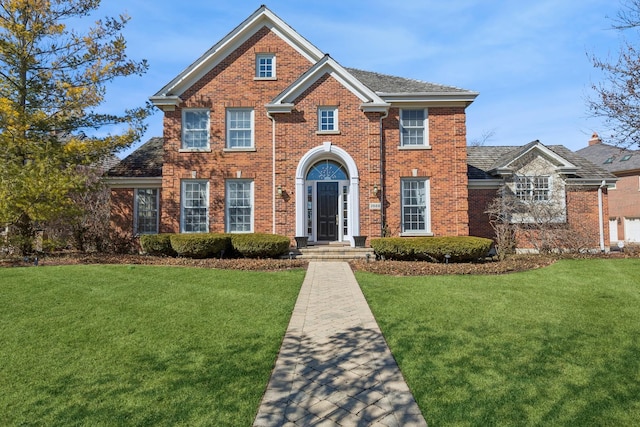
x=555 y=346
x=136 y=345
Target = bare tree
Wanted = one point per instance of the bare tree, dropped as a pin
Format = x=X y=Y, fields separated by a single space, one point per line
x=617 y=98
x=484 y=137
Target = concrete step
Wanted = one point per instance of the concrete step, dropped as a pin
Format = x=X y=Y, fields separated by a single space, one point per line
x=333 y=253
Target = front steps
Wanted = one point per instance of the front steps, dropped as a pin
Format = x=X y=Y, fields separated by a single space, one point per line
x=333 y=252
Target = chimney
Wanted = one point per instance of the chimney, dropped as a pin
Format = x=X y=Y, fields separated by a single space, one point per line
x=595 y=139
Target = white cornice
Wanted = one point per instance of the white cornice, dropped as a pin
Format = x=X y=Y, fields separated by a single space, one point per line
x=454 y=98
x=130 y=182
x=485 y=184
x=166 y=103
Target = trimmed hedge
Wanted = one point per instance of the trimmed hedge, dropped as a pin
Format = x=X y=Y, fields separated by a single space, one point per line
x=157 y=244
x=459 y=248
x=200 y=245
x=257 y=245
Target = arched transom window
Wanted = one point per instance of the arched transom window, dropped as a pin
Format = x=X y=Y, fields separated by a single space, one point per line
x=327 y=170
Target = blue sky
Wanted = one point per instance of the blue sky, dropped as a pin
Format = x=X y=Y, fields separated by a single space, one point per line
x=528 y=60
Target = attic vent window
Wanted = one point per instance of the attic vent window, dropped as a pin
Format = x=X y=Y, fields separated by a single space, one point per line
x=625 y=158
x=609 y=160
x=265 y=66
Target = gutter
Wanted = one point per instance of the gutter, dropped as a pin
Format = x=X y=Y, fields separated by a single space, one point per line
x=383 y=116
x=601 y=214
x=273 y=171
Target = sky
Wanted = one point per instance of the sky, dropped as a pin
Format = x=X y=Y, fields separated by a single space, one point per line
x=529 y=60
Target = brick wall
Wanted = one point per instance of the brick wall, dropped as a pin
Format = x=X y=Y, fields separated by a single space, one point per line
x=121 y=217
x=479 y=200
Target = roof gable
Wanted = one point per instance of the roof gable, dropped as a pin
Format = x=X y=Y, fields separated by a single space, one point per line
x=283 y=103
x=510 y=162
x=169 y=95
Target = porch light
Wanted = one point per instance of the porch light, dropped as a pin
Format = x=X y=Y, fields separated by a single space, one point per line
x=280 y=191
x=375 y=189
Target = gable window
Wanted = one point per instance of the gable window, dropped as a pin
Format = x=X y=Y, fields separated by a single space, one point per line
x=194 y=206
x=265 y=66
x=533 y=188
x=195 y=129
x=239 y=206
x=146 y=211
x=327 y=119
x=239 y=128
x=413 y=128
x=415 y=206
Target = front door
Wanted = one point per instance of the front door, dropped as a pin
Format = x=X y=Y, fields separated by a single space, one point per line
x=327 y=211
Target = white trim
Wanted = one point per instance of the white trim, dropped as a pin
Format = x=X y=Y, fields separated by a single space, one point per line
x=425 y=128
x=324 y=151
x=427 y=220
x=266 y=55
x=336 y=125
x=227 y=144
x=128 y=182
x=485 y=184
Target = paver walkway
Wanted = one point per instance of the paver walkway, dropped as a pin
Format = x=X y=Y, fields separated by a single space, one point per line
x=334 y=366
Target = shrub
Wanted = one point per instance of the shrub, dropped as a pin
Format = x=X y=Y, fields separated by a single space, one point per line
x=459 y=248
x=205 y=245
x=157 y=244
x=259 y=245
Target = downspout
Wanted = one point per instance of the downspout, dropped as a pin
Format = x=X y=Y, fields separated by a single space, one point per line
x=601 y=214
x=382 y=183
x=273 y=171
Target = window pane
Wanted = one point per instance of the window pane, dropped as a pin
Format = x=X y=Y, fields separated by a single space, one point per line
x=195 y=129
x=264 y=66
x=326 y=119
x=412 y=123
x=239 y=206
x=194 y=207
x=147 y=210
x=414 y=205
x=240 y=128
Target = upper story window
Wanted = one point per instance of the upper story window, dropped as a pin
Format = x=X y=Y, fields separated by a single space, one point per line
x=240 y=128
x=533 y=188
x=146 y=211
x=327 y=119
x=414 y=131
x=265 y=66
x=195 y=129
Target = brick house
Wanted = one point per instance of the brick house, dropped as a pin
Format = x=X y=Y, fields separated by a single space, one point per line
x=624 y=199
x=265 y=133
x=572 y=191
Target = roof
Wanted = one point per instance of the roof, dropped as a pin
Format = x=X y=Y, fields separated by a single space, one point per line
x=145 y=162
x=482 y=161
x=386 y=84
x=599 y=154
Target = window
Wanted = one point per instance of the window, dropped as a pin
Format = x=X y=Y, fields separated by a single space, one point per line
x=195 y=207
x=625 y=157
x=609 y=160
x=239 y=128
x=533 y=188
x=146 y=211
x=195 y=129
x=265 y=66
x=239 y=202
x=415 y=206
x=327 y=119
x=413 y=128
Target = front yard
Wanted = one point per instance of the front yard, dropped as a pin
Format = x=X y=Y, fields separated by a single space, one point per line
x=139 y=345
x=554 y=346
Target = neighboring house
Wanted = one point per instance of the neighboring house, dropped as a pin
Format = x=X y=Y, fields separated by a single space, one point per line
x=265 y=133
x=624 y=199
x=552 y=184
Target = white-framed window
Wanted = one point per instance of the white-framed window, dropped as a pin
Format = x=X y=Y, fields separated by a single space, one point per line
x=414 y=129
x=327 y=119
x=240 y=128
x=195 y=129
x=265 y=66
x=146 y=211
x=239 y=206
x=533 y=188
x=415 y=206
x=194 y=206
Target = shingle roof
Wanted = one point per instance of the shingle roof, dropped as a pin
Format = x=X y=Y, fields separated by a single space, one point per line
x=481 y=160
x=144 y=162
x=599 y=153
x=383 y=83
